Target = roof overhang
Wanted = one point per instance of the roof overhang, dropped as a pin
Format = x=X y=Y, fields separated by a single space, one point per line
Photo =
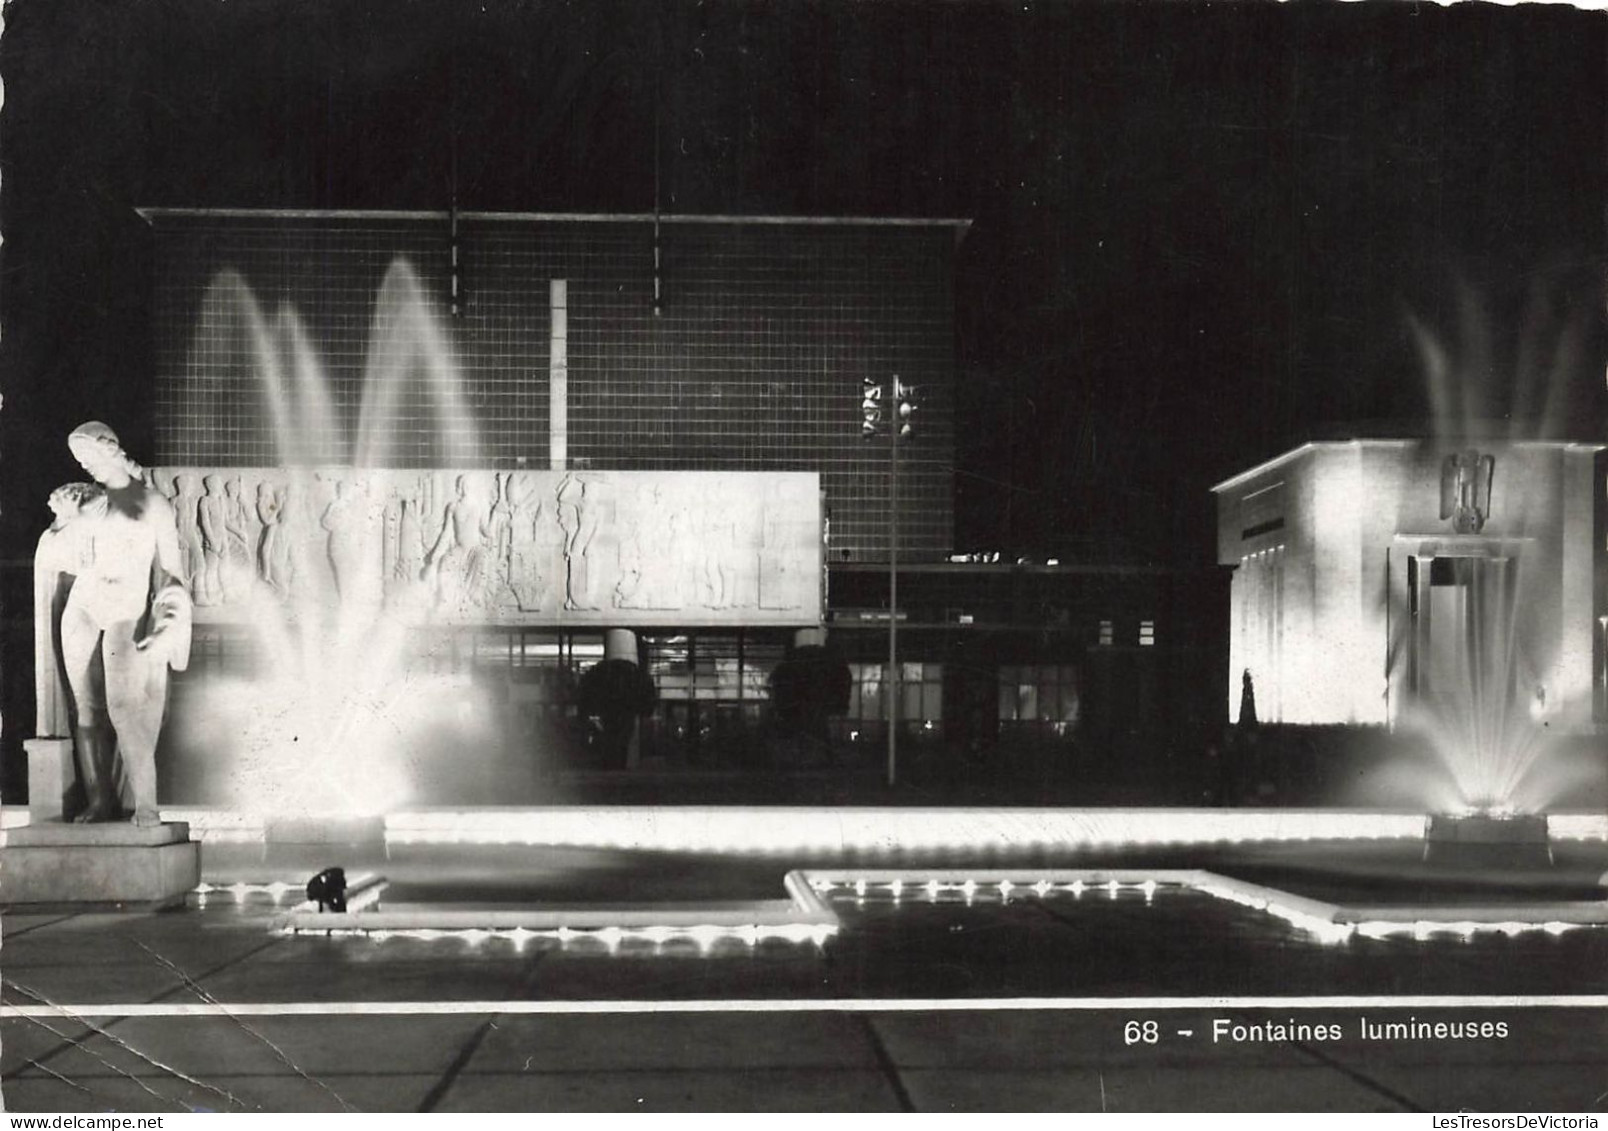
x=960 y=226
x=1310 y=446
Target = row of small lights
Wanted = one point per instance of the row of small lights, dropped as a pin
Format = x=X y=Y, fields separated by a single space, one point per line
x=970 y=887
x=916 y=832
x=364 y=892
x=240 y=891
x=1324 y=930
x=1332 y=931
x=536 y=838
x=612 y=939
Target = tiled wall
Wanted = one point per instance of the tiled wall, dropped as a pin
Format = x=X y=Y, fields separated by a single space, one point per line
x=754 y=361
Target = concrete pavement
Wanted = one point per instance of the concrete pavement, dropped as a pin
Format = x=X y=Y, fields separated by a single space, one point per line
x=921 y=1005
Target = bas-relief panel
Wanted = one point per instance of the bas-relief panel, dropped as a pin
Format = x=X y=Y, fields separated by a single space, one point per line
x=510 y=547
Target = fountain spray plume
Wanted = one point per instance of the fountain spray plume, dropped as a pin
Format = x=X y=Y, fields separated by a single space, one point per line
x=406 y=341
x=1486 y=700
x=333 y=711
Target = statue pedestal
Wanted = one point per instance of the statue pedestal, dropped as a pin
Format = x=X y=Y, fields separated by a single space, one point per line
x=117 y=862
x=51 y=775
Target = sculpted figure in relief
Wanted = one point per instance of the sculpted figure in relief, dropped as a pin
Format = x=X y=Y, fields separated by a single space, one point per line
x=498 y=537
x=346 y=521
x=578 y=517
x=528 y=569
x=244 y=532
x=214 y=527
x=186 y=500
x=274 y=558
x=456 y=564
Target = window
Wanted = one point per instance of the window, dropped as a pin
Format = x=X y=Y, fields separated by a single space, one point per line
x=713 y=667
x=865 y=694
x=670 y=664
x=1043 y=694
x=921 y=694
x=1147 y=633
x=1108 y=634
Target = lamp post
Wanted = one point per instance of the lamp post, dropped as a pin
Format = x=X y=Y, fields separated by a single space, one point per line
x=900 y=427
x=894 y=429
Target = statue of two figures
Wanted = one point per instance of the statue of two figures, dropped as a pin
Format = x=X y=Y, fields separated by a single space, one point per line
x=112 y=616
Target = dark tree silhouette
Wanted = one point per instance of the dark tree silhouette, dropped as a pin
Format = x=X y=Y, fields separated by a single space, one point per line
x=614 y=692
x=808 y=687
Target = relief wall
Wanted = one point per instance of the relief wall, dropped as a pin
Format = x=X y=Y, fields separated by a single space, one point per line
x=504 y=547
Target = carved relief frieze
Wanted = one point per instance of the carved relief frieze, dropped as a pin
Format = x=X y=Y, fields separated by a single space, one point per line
x=525 y=547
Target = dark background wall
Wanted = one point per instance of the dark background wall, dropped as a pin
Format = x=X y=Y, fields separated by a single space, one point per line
x=754 y=362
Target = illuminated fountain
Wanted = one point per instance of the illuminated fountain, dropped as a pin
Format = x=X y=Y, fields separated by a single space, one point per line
x=1490 y=656
x=335 y=710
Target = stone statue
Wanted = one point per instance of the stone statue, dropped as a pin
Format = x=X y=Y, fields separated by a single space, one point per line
x=55 y=565
x=125 y=622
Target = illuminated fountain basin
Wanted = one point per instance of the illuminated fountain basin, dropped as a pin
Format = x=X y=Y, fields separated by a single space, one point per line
x=1488 y=840
x=1487 y=691
x=593 y=864
x=808 y=915
x=1478 y=701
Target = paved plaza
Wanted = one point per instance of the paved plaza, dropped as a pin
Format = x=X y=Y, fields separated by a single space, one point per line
x=930 y=1002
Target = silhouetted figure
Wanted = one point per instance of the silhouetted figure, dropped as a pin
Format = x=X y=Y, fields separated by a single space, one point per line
x=328 y=890
x=1247 y=711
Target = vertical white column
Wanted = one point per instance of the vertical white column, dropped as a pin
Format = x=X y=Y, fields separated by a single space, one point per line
x=621 y=644
x=558 y=374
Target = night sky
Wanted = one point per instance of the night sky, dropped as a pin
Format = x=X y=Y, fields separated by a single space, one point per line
x=1199 y=231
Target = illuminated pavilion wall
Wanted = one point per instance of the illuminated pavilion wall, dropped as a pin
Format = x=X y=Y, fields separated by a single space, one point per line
x=1320 y=540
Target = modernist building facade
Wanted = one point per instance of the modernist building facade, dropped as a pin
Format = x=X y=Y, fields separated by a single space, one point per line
x=628 y=436
x=1368 y=572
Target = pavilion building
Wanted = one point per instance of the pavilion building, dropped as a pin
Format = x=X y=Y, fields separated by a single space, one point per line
x=626 y=436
